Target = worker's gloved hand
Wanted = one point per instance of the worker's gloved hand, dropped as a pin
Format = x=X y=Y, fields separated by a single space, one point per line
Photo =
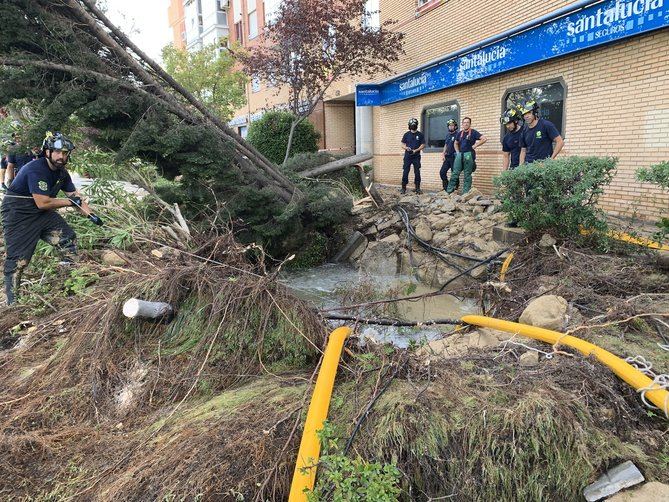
x=75 y=200
x=95 y=219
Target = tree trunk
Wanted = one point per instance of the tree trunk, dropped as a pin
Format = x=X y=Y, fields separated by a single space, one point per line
x=293 y=126
x=140 y=309
x=336 y=165
x=242 y=148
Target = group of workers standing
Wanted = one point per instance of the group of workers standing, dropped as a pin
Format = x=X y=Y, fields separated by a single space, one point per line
x=528 y=139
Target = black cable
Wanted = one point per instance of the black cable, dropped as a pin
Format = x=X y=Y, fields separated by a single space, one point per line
x=487 y=260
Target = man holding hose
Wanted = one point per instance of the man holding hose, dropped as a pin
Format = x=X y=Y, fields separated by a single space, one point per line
x=29 y=210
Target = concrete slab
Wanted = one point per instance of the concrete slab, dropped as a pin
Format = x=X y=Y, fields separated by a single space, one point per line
x=507 y=235
x=354 y=241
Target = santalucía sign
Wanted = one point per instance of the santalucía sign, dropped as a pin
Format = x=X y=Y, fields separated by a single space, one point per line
x=595 y=25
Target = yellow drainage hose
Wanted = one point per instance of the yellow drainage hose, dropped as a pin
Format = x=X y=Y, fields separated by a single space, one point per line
x=659 y=397
x=625 y=237
x=310 y=447
x=505 y=267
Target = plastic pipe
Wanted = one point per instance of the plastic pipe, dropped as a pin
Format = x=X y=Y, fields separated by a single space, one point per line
x=505 y=267
x=625 y=237
x=659 y=397
x=310 y=446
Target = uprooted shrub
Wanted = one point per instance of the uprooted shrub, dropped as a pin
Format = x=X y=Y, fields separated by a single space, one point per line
x=558 y=195
x=658 y=174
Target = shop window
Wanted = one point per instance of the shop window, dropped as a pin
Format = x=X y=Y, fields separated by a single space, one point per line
x=550 y=96
x=435 y=119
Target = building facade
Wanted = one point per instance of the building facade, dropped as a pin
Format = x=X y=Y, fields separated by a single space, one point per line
x=205 y=22
x=599 y=69
x=177 y=21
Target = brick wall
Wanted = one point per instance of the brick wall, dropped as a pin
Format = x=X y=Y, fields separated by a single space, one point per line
x=616 y=104
x=340 y=126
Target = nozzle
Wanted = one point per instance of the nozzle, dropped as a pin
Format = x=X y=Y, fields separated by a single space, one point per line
x=96 y=219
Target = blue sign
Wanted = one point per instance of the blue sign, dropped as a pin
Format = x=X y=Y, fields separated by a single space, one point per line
x=595 y=25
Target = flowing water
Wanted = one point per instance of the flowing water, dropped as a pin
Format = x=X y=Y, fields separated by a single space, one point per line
x=325 y=286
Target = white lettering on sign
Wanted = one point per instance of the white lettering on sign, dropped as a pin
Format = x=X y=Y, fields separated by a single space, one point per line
x=483 y=58
x=413 y=82
x=623 y=9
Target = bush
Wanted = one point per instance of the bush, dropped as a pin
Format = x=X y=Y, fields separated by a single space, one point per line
x=556 y=195
x=270 y=136
x=658 y=174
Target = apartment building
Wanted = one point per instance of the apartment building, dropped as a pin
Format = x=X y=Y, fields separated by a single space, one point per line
x=177 y=22
x=599 y=69
x=205 y=22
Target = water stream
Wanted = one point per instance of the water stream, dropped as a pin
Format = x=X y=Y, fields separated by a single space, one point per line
x=325 y=286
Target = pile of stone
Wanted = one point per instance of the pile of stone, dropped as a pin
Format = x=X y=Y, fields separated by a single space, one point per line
x=458 y=223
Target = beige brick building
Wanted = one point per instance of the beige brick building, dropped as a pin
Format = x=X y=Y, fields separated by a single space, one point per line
x=608 y=92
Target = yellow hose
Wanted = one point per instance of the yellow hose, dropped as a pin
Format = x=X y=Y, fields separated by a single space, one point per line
x=505 y=267
x=310 y=447
x=625 y=237
x=659 y=397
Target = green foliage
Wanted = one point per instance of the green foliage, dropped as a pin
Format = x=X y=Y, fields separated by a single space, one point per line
x=347 y=179
x=313 y=254
x=658 y=174
x=345 y=479
x=80 y=279
x=558 y=195
x=270 y=135
x=209 y=75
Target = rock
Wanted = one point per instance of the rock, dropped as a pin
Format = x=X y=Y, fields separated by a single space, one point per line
x=360 y=209
x=392 y=239
x=662 y=260
x=383 y=224
x=547 y=311
x=615 y=479
x=423 y=231
x=113 y=259
x=380 y=258
x=472 y=194
x=157 y=253
x=409 y=199
x=358 y=252
x=484 y=202
x=440 y=238
x=529 y=359
x=438 y=222
x=370 y=230
x=508 y=235
x=547 y=241
x=478 y=209
x=490 y=209
x=355 y=241
x=648 y=492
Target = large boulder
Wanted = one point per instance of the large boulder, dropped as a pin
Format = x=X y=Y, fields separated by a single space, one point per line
x=380 y=258
x=548 y=311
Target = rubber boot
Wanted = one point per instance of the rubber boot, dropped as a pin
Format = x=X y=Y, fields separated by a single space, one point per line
x=403 y=190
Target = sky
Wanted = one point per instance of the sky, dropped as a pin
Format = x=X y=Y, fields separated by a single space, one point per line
x=144 y=21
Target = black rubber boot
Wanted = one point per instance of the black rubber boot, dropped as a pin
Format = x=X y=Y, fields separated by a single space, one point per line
x=403 y=190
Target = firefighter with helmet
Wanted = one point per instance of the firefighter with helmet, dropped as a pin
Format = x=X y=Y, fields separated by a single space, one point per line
x=538 y=136
x=448 y=154
x=512 y=121
x=413 y=142
x=29 y=210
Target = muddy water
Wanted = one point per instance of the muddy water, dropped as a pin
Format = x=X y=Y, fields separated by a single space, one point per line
x=323 y=286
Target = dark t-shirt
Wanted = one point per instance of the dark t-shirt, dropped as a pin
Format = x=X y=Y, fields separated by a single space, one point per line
x=450 y=143
x=20 y=159
x=37 y=178
x=511 y=144
x=538 y=140
x=467 y=139
x=413 y=140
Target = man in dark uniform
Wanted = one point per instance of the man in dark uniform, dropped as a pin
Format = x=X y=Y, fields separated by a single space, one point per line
x=466 y=142
x=511 y=141
x=19 y=157
x=448 y=155
x=536 y=140
x=29 y=210
x=413 y=142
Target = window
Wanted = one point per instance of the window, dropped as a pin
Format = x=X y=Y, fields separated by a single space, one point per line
x=243 y=130
x=271 y=11
x=255 y=84
x=236 y=11
x=372 y=16
x=435 y=119
x=253 y=18
x=549 y=95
